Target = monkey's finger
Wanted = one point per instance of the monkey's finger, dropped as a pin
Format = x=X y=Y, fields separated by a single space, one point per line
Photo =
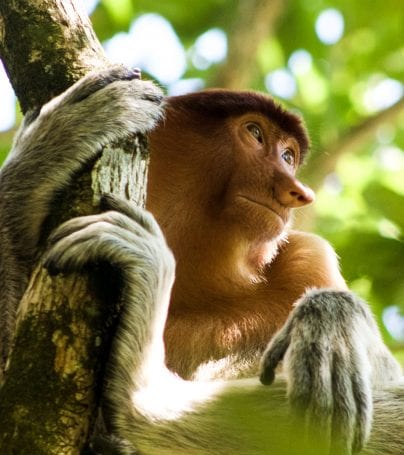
x=97 y=80
x=98 y=242
x=273 y=355
x=307 y=366
x=112 y=218
x=309 y=381
x=77 y=256
x=344 y=417
x=141 y=216
x=70 y=226
x=362 y=393
x=353 y=406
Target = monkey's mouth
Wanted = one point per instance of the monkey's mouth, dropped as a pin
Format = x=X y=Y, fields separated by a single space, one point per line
x=263 y=204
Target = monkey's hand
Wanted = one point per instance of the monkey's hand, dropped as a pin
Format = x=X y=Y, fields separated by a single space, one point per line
x=126 y=236
x=101 y=108
x=332 y=356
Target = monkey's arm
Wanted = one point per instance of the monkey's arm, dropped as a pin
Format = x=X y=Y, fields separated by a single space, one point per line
x=51 y=146
x=332 y=352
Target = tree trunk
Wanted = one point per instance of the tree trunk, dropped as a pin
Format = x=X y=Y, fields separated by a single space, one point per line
x=255 y=21
x=51 y=390
x=46 y=45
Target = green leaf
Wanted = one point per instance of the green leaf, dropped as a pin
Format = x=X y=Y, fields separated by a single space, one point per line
x=386 y=201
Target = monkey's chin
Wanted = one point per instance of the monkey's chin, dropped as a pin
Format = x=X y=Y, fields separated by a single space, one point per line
x=262 y=205
x=259 y=220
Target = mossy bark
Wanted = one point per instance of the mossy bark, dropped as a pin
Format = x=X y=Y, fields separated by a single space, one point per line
x=46 y=45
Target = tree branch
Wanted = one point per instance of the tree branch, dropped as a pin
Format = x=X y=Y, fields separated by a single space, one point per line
x=325 y=163
x=46 y=45
x=255 y=21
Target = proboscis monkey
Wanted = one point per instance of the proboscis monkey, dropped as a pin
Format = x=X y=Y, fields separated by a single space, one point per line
x=183 y=372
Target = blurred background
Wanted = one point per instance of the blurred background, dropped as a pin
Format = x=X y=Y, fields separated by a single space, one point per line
x=340 y=64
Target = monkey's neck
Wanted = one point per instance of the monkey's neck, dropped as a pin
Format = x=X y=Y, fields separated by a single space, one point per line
x=223 y=265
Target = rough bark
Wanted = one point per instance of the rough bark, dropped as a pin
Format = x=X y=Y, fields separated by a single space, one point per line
x=52 y=387
x=46 y=45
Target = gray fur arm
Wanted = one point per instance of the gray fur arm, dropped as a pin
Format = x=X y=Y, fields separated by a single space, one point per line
x=51 y=146
x=333 y=358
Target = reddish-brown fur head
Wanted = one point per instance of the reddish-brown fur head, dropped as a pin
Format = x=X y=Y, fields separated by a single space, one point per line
x=215 y=183
x=219 y=104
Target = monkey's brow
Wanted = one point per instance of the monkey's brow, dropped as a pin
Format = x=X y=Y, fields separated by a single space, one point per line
x=218 y=103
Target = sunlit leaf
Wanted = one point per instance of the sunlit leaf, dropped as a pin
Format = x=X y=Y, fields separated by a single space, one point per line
x=389 y=203
x=120 y=10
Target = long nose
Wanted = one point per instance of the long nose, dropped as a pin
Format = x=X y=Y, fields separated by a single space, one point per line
x=292 y=193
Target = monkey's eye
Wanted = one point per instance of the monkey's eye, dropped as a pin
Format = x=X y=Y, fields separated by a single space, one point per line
x=289 y=157
x=255 y=130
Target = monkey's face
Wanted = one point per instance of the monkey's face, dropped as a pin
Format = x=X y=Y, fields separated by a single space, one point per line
x=217 y=176
x=263 y=187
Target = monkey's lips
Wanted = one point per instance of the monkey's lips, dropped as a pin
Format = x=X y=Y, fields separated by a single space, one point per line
x=278 y=212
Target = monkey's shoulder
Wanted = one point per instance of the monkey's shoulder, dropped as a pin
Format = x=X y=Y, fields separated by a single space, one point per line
x=306 y=260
